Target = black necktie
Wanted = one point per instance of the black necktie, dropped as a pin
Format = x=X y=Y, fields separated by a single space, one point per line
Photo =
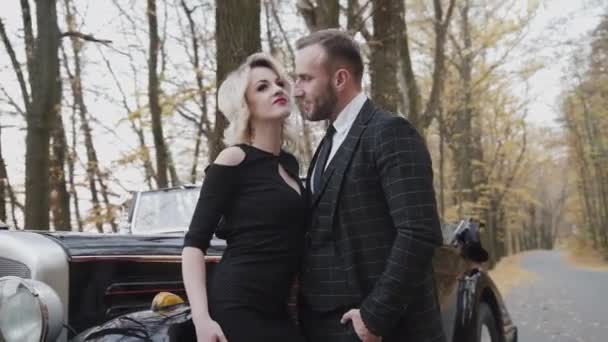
x=322 y=158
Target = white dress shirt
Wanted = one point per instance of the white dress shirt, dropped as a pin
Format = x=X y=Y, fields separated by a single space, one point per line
x=344 y=121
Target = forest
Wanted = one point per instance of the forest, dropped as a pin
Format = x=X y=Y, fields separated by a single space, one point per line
x=99 y=98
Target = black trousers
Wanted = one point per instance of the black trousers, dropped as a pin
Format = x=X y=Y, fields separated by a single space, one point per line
x=325 y=326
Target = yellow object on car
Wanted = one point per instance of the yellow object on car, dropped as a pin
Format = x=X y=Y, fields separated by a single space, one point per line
x=164 y=301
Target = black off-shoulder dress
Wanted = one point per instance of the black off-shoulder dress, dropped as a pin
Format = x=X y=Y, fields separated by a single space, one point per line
x=263 y=221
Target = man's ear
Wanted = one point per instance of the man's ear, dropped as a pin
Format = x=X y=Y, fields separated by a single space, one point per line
x=341 y=78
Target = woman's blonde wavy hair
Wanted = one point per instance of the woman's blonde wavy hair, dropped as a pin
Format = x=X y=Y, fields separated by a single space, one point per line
x=232 y=101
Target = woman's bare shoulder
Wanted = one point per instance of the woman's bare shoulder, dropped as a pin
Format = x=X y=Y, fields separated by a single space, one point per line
x=230 y=156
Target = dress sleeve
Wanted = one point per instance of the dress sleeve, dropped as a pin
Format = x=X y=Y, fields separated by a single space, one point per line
x=217 y=192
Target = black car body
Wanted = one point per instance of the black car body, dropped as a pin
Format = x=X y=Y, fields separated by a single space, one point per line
x=106 y=283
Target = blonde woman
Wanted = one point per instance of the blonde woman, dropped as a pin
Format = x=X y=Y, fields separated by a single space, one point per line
x=253 y=184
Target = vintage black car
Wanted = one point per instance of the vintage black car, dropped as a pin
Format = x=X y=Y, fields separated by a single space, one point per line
x=99 y=287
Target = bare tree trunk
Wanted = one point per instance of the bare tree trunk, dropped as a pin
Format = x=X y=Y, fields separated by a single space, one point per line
x=59 y=196
x=92 y=165
x=521 y=236
x=153 y=97
x=384 y=48
x=441 y=165
x=270 y=37
x=6 y=191
x=488 y=234
x=110 y=214
x=585 y=186
x=237 y=36
x=28 y=37
x=355 y=19
x=16 y=67
x=463 y=127
x=413 y=106
x=422 y=119
x=203 y=126
x=441 y=31
x=3 y=183
x=593 y=140
x=71 y=161
x=172 y=170
x=319 y=15
x=45 y=106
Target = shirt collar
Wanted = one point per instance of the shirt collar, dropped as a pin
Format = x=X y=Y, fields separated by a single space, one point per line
x=347 y=116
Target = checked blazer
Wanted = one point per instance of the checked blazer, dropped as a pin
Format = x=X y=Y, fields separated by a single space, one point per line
x=373 y=231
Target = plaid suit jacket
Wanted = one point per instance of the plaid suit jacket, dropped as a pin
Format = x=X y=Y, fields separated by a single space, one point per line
x=377 y=197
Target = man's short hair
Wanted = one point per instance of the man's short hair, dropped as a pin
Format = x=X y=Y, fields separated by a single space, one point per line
x=339 y=47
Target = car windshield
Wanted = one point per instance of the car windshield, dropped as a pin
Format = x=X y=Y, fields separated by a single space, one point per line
x=165 y=211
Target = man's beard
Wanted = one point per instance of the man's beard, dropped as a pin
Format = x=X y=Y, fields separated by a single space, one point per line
x=324 y=106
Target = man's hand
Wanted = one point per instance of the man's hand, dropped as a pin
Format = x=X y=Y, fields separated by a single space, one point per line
x=207 y=330
x=365 y=335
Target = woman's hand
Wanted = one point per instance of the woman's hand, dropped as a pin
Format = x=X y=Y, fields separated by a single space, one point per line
x=207 y=330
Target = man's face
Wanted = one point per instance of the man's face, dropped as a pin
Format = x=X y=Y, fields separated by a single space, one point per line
x=314 y=93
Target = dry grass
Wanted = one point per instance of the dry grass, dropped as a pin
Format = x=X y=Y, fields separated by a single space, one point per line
x=508 y=274
x=579 y=255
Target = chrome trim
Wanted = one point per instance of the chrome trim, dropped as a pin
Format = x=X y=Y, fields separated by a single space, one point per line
x=10 y=267
x=139 y=258
x=46 y=260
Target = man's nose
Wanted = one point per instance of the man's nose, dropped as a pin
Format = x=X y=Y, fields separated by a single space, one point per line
x=298 y=92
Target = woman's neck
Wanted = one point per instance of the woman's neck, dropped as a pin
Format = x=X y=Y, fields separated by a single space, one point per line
x=267 y=136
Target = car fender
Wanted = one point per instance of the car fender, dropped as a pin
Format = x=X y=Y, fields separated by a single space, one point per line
x=477 y=287
x=171 y=324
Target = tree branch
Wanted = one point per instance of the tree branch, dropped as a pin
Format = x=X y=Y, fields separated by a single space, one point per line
x=187 y=116
x=441 y=30
x=28 y=36
x=87 y=37
x=17 y=68
x=12 y=102
x=275 y=16
x=360 y=24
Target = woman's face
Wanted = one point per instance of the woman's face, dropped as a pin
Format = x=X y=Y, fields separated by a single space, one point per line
x=267 y=95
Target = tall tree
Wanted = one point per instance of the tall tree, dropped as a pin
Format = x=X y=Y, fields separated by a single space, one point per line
x=384 y=47
x=202 y=123
x=45 y=105
x=585 y=119
x=153 y=96
x=93 y=169
x=421 y=117
x=462 y=142
x=59 y=196
x=237 y=27
x=3 y=182
x=6 y=191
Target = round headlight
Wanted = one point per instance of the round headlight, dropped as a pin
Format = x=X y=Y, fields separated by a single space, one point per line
x=29 y=311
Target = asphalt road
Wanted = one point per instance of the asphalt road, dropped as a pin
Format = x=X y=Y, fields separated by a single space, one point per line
x=565 y=304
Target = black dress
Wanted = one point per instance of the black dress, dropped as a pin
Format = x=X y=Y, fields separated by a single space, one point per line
x=263 y=221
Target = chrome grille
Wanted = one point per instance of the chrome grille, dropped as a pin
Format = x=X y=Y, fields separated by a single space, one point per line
x=10 y=267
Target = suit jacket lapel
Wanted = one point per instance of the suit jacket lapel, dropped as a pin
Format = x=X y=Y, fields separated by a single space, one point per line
x=339 y=163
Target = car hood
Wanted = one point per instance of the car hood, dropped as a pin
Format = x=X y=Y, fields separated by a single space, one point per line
x=87 y=244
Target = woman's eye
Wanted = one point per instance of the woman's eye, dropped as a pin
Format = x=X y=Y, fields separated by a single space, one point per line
x=262 y=87
x=281 y=84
